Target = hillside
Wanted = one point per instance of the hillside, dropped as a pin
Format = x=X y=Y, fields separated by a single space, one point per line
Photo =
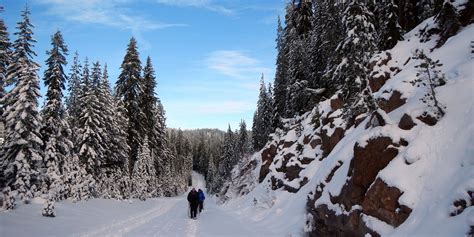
x=396 y=172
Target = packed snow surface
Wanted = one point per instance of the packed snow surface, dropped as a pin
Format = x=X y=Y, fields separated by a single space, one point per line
x=153 y=217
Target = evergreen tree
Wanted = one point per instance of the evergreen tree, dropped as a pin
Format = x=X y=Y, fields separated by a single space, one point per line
x=243 y=141
x=390 y=31
x=228 y=151
x=262 y=126
x=129 y=87
x=143 y=172
x=211 y=175
x=5 y=54
x=331 y=33
x=298 y=25
x=149 y=106
x=75 y=89
x=53 y=115
x=48 y=208
x=351 y=75
x=429 y=75
x=90 y=140
x=22 y=154
x=448 y=22
x=280 y=76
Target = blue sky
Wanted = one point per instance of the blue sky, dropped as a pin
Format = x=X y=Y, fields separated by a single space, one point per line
x=208 y=54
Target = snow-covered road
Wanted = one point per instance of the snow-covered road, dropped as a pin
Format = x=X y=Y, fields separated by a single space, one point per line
x=154 y=217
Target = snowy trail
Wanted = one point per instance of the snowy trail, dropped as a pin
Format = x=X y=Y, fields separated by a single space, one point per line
x=154 y=217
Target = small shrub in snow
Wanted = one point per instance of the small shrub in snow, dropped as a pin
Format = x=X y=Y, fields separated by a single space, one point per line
x=48 y=208
x=429 y=75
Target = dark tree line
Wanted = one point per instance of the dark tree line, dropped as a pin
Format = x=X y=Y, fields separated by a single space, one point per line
x=212 y=152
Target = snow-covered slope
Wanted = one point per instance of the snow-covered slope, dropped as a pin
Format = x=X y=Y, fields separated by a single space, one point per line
x=393 y=173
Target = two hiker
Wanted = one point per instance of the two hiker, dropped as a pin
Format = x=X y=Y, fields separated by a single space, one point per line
x=196 y=200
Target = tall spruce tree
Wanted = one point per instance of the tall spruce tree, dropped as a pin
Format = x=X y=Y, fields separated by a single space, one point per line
x=129 y=87
x=57 y=146
x=90 y=140
x=351 y=75
x=243 y=141
x=298 y=28
x=74 y=88
x=5 y=54
x=390 y=31
x=280 y=76
x=152 y=109
x=22 y=155
x=228 y=152
x=448 y=22
x=262 y=126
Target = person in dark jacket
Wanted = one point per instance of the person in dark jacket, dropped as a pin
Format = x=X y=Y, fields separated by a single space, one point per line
x=201 y=200
x=193 y=199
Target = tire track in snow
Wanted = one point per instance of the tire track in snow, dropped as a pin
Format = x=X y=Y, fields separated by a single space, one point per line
x=122 y=227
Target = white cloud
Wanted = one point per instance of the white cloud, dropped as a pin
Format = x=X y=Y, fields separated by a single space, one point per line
x=235 y=63
x=108 y=13
x=206 y=4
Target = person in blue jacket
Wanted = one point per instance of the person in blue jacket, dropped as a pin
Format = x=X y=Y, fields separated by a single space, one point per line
x=201 y=200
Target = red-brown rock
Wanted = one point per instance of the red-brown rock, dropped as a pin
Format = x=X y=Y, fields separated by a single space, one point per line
x=328 y=143
x=406 y=122
x=288 y=144
x=364 y=167
x=427 y=119
x=336 y=103
x=381 y=201
x=315 y=143
x=267 y=158
x=394 y=102
x=376 y=83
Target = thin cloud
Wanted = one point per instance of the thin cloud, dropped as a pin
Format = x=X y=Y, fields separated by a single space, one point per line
x=234 y=63
x=107 y=13
x=206 y=4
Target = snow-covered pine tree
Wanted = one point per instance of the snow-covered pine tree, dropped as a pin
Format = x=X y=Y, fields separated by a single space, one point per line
x=74 y=82
x=129 y=87
x=21 y=153
x=122 y=146
x=280 y=76
x=331 y=33
x=298 y=29
x=55 y=153
x=149 y=106
x=143 y=173
x=79 y=180
x=48 y=208
x=258 y=127
x=351 y=75
x=409 y=17
x=8 y=199
x=227 y=160
x=390 y=31
x=243 y=140
x=211 y=175
x=448 y=22
x=89 y=132
x=5 y=54
x=116 y=146
x=262 y=126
